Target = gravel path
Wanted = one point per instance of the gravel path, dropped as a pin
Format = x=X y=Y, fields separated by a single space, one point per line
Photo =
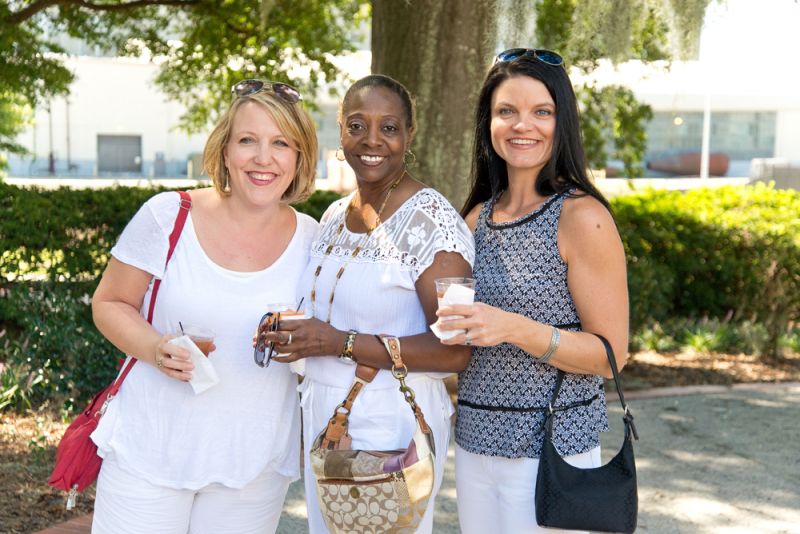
x=721 y=461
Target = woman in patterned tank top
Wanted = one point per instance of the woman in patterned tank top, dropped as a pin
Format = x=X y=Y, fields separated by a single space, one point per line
x=550 y=272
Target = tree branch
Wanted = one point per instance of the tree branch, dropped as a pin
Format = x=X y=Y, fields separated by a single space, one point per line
x=29 y=11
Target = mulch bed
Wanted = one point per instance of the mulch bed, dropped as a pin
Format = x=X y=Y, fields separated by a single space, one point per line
x=27 y=452
x=647 y=370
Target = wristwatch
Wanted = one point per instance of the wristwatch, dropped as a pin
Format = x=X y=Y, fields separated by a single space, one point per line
x=347 y=351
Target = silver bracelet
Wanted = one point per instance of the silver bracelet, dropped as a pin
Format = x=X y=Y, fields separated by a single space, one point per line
x=555 y=341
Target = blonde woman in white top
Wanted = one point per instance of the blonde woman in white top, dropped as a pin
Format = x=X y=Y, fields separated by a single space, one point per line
x=220 y=461
x=372 y=271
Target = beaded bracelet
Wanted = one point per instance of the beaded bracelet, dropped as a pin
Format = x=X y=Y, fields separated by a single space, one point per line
x=555 y=340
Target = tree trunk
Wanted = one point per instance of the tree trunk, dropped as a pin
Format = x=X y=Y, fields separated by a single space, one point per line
x=443 y=63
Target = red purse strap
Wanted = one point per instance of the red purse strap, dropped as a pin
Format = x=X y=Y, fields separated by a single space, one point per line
x=180 y=220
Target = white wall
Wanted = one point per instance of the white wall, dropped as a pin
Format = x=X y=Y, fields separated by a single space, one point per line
x=787 y=135
x=109 y=96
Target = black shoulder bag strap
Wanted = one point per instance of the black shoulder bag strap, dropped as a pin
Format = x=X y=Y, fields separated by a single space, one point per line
x=627 y=417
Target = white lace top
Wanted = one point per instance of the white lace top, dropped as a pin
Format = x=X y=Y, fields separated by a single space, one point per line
x=377 y=293
x=156 y=427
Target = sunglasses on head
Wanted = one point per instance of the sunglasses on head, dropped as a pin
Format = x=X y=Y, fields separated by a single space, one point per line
x=547 y=57
x=270 y=322
x=285 y=92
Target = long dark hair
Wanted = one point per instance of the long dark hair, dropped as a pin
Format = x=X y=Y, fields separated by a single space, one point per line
x=566 y=167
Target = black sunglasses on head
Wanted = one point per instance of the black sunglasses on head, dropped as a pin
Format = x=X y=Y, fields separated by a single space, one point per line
x=285 y=92
x=270 y=322
x=547 y=57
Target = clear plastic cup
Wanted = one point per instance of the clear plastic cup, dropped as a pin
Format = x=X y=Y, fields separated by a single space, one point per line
x=450 y=291
x=201 y=336
x=289 y=312
x=461 y=297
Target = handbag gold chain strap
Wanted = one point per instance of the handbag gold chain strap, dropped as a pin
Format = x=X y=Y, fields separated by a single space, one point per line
x=336 y=436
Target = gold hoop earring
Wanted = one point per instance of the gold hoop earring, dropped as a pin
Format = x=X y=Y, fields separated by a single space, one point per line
x=409 y=158
x=340 y=153
x=227 y=188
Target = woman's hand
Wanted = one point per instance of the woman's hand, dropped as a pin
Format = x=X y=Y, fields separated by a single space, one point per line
x=172 y=360
x=485 y=325
x=302 y=338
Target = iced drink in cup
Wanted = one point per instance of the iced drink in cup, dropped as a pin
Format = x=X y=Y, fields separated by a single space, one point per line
x=201 y=336
x=457 y=296
x=290 y=312
x=450 y=291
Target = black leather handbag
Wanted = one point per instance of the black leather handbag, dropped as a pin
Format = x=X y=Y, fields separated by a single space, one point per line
x=601 y=499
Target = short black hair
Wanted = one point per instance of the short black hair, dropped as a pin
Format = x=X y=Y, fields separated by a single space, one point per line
x=381 y=80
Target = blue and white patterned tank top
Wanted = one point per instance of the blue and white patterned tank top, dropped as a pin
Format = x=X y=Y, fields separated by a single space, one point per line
x=503 y=392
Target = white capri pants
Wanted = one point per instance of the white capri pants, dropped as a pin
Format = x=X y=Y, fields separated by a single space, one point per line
x=126 y=504
x=498 y=495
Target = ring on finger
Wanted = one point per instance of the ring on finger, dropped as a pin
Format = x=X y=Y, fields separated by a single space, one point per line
x=467 y=340
x=159 y=361
x=289 y=341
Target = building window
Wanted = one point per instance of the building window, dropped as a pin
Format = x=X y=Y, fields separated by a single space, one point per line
x=742 y=135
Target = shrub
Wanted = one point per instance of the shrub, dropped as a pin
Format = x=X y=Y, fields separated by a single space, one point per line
x=52 y=348
x=791 y=339
x=705 y=335
x=730 y=255
x=63 y=234
x=66 y=234
x=729 y=251
x=653 y=337
x=318 y=203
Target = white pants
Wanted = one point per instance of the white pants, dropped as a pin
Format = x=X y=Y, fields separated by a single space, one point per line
x=126 y=504
x=497 y=494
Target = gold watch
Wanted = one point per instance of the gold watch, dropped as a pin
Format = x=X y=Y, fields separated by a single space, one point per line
x=347 y=351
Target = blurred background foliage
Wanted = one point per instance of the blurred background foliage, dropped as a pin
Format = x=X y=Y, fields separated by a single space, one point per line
x=202 y=47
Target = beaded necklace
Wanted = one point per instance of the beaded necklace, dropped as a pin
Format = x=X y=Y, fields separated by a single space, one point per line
x=355 y=252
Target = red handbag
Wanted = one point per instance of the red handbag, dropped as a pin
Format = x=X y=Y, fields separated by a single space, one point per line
x=77 y=463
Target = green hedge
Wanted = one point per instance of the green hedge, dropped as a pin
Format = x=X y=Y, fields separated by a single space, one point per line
x=66 y=234
x=55 y=245
x=729 y=252
x=726 y=254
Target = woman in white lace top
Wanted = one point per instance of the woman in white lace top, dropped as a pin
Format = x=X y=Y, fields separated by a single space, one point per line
x=404 y=236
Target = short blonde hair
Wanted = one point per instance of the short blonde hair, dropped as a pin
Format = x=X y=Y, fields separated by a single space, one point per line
x=295 y=123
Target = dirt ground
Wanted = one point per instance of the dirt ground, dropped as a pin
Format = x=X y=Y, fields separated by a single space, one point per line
x=27 y=442
x=27 y=451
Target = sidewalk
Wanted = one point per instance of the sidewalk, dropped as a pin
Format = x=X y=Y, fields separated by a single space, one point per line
x=709 y=460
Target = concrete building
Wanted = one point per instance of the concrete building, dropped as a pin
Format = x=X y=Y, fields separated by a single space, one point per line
x=113 y=123
x=116 y=123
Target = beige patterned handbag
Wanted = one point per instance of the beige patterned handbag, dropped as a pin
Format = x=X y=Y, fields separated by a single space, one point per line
x=373 y=491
